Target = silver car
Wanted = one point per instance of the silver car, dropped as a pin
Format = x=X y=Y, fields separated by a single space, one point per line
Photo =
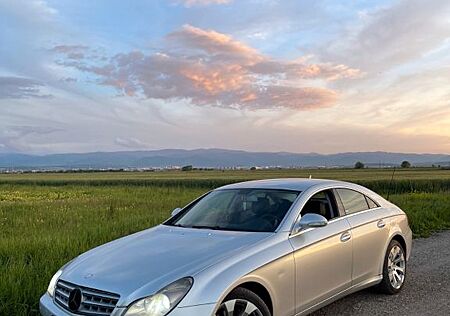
x=273 y=247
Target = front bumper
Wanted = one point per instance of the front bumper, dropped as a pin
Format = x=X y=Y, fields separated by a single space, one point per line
x=48 y=308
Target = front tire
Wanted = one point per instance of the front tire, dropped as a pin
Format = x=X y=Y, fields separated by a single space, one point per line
x=243 y=302
x=394 y=269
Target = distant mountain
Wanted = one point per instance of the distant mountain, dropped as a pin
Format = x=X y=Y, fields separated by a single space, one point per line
x=215 y=158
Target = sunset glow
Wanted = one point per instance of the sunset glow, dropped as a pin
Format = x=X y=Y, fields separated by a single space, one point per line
x=259 y=75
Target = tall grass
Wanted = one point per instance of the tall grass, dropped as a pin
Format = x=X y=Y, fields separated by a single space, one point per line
x=41 y=228
x=380 y=186
x=427 y=212
x=46 y=220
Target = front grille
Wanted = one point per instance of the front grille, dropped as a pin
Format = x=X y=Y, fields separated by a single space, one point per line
x=93 y=302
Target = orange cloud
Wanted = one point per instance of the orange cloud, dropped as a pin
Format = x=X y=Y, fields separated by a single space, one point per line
x=215 y=81
x=214 y=43
x=211 y=68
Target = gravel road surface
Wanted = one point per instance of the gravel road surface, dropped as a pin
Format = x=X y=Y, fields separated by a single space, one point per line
x=426 y=291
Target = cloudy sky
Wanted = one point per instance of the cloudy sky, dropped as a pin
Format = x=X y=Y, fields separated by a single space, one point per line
x=260 y=75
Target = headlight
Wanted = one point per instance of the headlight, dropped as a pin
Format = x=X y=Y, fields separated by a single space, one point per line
x=163 y=301
x=52 y=284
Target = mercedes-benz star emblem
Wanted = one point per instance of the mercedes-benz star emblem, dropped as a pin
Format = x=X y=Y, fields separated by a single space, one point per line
x=75 y=297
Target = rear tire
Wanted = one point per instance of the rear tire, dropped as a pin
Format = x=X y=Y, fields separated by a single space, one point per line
x=394 y=269
x=243 y=302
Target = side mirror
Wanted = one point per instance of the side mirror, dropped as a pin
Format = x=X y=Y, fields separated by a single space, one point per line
x=176 y=211
x=310 y=220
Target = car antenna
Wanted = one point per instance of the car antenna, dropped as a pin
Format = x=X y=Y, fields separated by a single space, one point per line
x=390 y=184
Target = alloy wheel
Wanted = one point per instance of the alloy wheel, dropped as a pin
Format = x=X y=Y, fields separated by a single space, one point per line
x=396 y=267
x=238 y=307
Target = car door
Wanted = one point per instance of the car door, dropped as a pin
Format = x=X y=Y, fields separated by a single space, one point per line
x=323 y=256
x=369 y=233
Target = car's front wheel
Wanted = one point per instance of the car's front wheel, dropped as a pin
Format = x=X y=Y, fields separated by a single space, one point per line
x=394 y=269
x=243 y=302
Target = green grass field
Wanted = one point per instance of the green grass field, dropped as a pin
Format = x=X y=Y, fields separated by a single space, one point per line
x=47 y=219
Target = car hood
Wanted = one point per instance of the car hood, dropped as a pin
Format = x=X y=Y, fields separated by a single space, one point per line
x=141 y=264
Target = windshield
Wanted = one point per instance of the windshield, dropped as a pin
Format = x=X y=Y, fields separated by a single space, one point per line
x=258 y=210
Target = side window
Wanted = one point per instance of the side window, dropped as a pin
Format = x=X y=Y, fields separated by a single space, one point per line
x=322 y=203
x=371 y=202
x=353 y=201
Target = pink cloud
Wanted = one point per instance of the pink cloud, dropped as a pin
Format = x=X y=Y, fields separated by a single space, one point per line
x=211 y=68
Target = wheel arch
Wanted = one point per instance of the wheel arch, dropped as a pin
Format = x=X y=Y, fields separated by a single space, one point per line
x=398 y=237
x=259 y=290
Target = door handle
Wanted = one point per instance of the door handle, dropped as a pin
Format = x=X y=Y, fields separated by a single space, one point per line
x=381 y=223
x=346 y=237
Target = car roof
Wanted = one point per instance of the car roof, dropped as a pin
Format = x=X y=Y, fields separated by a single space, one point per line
x=295 y=184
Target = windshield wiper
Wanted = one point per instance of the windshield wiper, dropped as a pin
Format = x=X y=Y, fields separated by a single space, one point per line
x=177 y=225
x=221 y=228
x=218 y=228
x=206 y=227
x=196 y=226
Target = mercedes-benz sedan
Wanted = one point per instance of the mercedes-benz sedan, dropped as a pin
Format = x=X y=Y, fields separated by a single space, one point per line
x=274 y=247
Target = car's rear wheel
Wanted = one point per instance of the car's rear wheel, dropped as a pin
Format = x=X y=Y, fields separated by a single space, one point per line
x=243 y=302
x=394 y=269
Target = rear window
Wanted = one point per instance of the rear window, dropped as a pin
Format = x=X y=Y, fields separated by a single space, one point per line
x=372 y=203
x=353 y=201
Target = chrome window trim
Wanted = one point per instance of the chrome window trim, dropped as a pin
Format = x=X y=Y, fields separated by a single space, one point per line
x=344 y=217
x=359 y=212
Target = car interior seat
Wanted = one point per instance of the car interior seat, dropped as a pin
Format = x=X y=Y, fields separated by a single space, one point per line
x=320 y=207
